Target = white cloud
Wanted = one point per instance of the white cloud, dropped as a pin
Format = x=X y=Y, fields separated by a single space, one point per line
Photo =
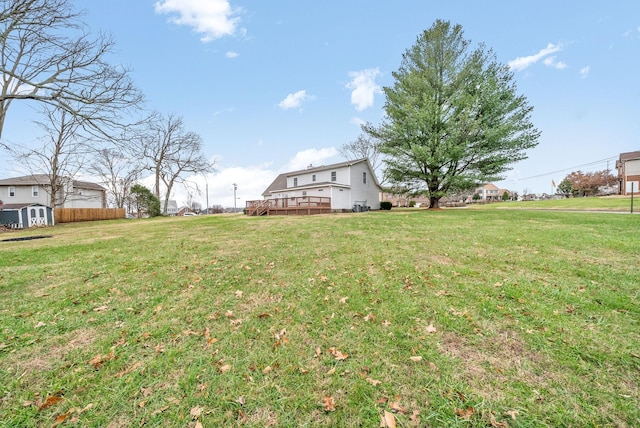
x=315 y=157
x=551 y=62
x=523 y=62
x=584 y=71
x=364 y=87
x=212 y=18
x=294 y=100
x=357 y=121
x=232 y=54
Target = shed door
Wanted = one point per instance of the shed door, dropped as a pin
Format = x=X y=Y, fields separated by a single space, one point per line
x=37 y=216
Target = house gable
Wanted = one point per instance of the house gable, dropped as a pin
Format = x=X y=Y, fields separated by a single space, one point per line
x=346 y=183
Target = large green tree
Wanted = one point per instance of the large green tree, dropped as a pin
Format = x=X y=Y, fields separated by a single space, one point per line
x=453 y=119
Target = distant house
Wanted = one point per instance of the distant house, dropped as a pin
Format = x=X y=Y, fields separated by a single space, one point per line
x=628 y=167
x=22 y=216
x=36 y=189
x=344 y=186
x=489 y=192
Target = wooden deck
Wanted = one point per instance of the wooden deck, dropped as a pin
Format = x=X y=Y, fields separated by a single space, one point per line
x=303 y=205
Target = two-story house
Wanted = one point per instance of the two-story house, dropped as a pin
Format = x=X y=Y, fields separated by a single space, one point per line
x=36 y=189
x=350 y=185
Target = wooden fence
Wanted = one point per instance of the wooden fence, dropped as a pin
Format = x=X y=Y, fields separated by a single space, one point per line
x=71 y=215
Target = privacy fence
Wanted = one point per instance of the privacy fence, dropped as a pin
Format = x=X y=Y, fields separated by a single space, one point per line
x=71 y=215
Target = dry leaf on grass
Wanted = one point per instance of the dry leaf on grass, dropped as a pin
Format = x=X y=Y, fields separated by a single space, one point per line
x=196 y=412
x=373 y=382
x=465 y=413
x=430 y=329
x=60 y=419
x=388 y=420
x=225 y=368
x=329 y=404
x=129 y=370
x=338 y=354
x=51 y=400
x=396 y=407
x=416 y=358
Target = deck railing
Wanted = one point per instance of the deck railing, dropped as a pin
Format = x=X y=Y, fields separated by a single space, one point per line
x=299 y=205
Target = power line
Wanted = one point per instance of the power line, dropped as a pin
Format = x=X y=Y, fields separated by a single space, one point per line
x=570 y=168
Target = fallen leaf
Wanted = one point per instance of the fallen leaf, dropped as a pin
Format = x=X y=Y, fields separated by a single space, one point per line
x=100 y=308
x=344 y=300
x=60 y=419
x=196 y=412
x=197 y=425
x=51 y=400
x=338 y=354
x=329 y=404
x=369 y=317
x=266 y=370
x=415 y=418
x=512 y=413
x=40 y=324
x=388 y=420
x=229 y=314
x=239 y=294
x=225 y=368
x=332 y=371
x=129 y=370
x=496 y=424
x=430 y=329
x=396 y=407
x=373 y=382
x=465 y=413
x=160 y=410
x=416 y=358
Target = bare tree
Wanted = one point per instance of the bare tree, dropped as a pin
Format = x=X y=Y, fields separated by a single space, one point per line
x=60 y=154
x=46 y=57
x=118 y=173
x=171 y=152
x=365 y=146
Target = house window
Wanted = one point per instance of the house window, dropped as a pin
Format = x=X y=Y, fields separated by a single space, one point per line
x=333 y=176
x=364 y=178
x=304 y=193
x=295 y=181
x=12 y=192
x=34 y=191
x=313 y=177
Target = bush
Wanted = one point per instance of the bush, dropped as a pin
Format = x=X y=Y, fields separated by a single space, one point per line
x=385 y=205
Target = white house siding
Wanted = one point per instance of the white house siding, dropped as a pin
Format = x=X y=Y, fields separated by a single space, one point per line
x=340 y=198
x=24 y=195
x=632 y=176
x=368 y=191
x=84 y=198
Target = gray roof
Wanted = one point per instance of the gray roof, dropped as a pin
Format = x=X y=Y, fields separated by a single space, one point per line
x=19 y=206
x=280 y=183
x=45 y=180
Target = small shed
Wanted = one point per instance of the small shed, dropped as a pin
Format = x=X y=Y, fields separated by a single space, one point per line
x=22 y=216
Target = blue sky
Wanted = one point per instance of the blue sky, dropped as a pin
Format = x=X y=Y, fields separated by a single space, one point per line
x=275 y=86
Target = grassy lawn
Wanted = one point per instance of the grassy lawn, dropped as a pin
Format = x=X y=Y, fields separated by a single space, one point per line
x=606 y=203
x=458 y=318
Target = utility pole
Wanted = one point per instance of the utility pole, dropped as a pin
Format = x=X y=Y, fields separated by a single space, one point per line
x=235 y=188
x=206 y=185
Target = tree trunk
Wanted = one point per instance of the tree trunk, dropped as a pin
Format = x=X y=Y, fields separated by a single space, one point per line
x=434 y=202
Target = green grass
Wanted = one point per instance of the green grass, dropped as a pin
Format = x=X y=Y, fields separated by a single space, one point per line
x=460 y=318
x=604 y=203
